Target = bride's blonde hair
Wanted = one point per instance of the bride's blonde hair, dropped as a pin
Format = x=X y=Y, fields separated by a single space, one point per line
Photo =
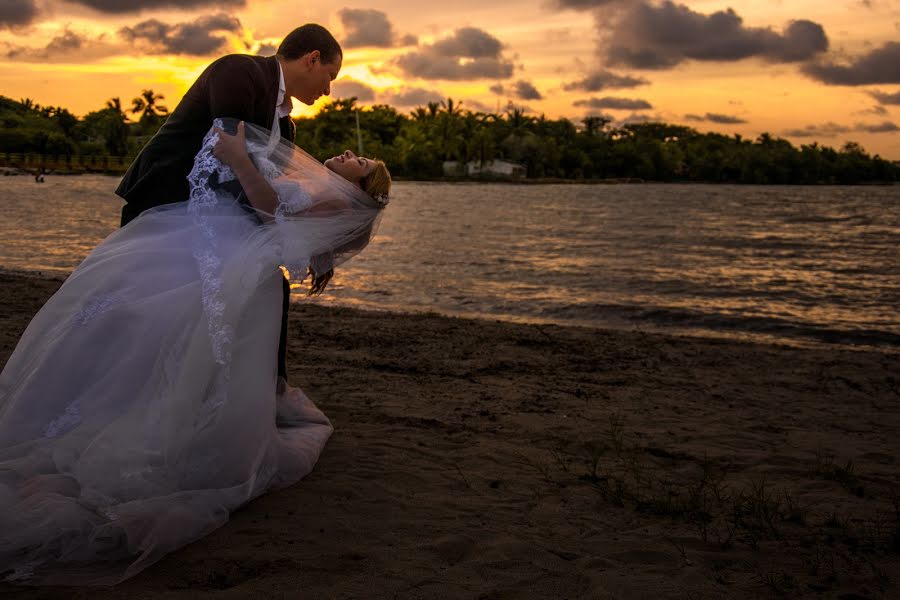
x=377 y=183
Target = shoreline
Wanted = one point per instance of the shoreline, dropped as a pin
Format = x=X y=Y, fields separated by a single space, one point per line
x=476 y=458
x=298 y=298
x=16 y=172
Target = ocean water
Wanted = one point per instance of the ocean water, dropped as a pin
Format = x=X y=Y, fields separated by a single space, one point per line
x=797 y=265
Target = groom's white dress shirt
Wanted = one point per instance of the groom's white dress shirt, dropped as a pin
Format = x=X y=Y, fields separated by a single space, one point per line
x=283 y=104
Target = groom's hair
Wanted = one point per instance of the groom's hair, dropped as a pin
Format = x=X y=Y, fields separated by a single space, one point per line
x=307 y=38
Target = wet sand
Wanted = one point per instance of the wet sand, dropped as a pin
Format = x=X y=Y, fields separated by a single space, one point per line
x=479 y=459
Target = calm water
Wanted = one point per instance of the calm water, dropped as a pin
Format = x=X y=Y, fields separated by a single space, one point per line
x=795 y=264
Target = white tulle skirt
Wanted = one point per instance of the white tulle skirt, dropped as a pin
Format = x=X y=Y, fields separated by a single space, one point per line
x=125 y=432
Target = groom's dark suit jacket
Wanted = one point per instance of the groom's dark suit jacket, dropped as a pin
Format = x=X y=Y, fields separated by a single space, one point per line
x=238 y=86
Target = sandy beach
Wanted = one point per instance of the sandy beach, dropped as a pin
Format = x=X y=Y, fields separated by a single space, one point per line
x=479 y=459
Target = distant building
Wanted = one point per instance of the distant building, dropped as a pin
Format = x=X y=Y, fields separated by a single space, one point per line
x=490 y=168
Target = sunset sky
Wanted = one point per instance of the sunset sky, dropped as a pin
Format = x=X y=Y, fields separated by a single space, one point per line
x=806 y=70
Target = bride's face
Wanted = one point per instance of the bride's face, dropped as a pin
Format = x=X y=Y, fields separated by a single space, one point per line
x=351 y=167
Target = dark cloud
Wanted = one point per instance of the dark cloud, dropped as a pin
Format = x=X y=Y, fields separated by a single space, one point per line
x=585 y=4
x=716 y=118
x=411 y=96
x=66 y=46
x=832 y=129
x=15 y=13
x=469 y=42
x=611 y=103
x=469 y=53
x=133 y=6
x=444 y=67
x=801 y=41
x=521 y=89
x=347 y=87
x=829 y=129
x=636 y=118
x=659 y=36
x=883 y=127
x=65 y=42
x=195 y=38
x=526 y=91
x=366 y=27
x=881 y=65
x=875 y=110
x=724 y=119
x=885 y=98
x=602 y=80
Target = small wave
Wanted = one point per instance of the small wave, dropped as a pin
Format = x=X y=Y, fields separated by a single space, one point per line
x=858 y=219
x=664 y=319
x=772 y=326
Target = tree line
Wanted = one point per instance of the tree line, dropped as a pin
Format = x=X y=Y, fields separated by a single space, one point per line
x=416 y=144
x=31 y=128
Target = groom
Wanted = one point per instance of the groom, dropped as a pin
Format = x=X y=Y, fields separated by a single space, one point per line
x=254 y=89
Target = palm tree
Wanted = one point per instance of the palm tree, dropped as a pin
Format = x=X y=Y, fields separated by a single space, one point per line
x=419 y=114
x=147 y=106
x=481 y=145
x=517 y=120
x=449 y=127
x=30 y=105
x=450 y=108
x=115 y=104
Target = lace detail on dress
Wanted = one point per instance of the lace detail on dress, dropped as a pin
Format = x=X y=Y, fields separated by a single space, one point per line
x=95 y=307
x=221 y=333
x=202 y=198
x=223 y=171
x=65 y=421
x=292 y=199
x=265 y=166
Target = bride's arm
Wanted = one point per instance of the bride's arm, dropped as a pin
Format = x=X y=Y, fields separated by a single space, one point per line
x=232 y=150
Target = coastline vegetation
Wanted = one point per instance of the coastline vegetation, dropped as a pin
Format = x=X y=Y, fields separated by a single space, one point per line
x=418 y=143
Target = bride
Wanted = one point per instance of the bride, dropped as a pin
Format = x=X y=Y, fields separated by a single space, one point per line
x=141 y=405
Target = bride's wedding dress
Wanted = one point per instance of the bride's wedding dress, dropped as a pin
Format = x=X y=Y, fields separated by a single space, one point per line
x=139 y=407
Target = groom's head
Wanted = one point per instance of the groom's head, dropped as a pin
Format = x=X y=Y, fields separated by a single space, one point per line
x=310 y=59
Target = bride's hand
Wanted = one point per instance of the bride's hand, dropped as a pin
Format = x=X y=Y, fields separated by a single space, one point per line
x=231 y=149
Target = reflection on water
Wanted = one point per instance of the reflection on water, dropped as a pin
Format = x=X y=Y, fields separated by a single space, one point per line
x=797 y=264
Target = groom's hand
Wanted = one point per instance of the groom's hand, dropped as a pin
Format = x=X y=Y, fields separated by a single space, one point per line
x=231 y=149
